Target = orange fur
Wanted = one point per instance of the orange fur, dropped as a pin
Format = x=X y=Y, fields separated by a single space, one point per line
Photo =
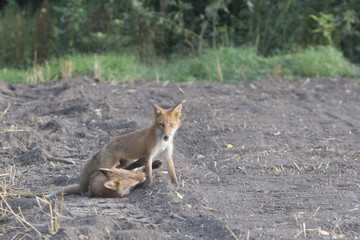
x=111 y=183
x=148 y=142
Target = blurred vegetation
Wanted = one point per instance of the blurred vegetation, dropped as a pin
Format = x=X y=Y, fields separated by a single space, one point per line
x=34 y=31
x=225 y=64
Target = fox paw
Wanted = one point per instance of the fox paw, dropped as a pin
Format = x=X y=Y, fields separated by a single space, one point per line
x=147 y=182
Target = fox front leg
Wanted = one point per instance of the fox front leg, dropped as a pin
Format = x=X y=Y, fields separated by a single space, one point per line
x=170 y=165
x=148 y=171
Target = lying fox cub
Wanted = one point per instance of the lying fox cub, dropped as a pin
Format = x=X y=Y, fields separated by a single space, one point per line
x=112 y=183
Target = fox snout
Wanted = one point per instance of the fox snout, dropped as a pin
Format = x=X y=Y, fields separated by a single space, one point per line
x=166 y=132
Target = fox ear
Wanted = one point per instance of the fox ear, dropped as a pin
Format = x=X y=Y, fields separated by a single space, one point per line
x=157 y=110
x=177 y=109
x=112 y=185
x=105 y=171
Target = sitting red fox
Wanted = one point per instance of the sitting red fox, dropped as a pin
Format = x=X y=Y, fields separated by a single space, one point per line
x=112 y=183
x=149 y=142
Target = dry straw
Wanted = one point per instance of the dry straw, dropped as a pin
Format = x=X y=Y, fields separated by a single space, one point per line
x=55 y=213
x=66 y=69
x=55 y=206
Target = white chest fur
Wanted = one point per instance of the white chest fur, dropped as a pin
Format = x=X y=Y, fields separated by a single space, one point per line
x=161 y=146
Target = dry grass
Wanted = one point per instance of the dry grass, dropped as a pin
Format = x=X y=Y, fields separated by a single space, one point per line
x=232 y=233
x=97 y=70
x=37 y=74
x=7 y=181
x=5 y=111
x=53 y=208
x=7 y=210
x=55 y=213
x=66 y=69
x=218 y=71
x=7 y=192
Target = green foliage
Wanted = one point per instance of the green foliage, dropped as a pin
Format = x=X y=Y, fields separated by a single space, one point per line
x=235 y=65
x=72 y=27
x=90 y=26
x=322 y=61
x=121 y=67
x=245 y=64
x=31 y=34
x=13 y=75
x=16 y=44
x=327 y=26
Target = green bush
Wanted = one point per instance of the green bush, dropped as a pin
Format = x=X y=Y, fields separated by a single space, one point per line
x=315 y=62
x=40 y=30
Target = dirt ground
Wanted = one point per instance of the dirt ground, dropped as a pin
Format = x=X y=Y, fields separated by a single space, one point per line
x=269 y=159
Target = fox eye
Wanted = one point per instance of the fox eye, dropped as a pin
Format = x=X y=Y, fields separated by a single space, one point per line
x=162 y=125
x=171 y=124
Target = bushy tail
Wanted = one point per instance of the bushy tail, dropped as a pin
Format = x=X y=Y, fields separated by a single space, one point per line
x=72 y=189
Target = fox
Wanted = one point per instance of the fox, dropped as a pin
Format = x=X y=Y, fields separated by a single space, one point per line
x=112 y=183
x=150 y=141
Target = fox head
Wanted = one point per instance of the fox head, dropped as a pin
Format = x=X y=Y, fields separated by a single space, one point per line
x=122 y=181
x=167 y=120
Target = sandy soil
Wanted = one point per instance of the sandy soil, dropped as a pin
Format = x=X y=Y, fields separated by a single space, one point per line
x=271 y=159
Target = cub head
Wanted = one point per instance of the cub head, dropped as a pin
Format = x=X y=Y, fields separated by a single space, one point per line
x=122 y=181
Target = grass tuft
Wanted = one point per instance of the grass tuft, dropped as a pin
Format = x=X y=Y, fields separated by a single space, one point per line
x=225 y=64
x=322 y=61
x=242 y=64
x=222 y=65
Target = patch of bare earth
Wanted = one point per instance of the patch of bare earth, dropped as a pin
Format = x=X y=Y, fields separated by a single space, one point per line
x=276 y=158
